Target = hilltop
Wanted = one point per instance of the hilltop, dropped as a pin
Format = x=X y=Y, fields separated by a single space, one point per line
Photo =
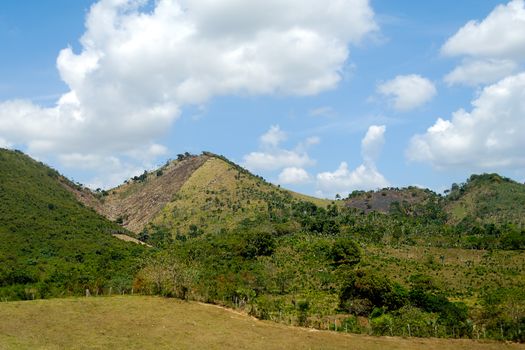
x=192 y=194
x=50 y=243
x=207 y=193
x=487 y=199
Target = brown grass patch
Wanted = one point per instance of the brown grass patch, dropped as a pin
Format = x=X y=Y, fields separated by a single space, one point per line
x=126 y=322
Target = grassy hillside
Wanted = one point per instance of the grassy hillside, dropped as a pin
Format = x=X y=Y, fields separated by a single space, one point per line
x=220 y=195
x=202 y=192
x=156 y=323
x=50 y=244
x=487 y=199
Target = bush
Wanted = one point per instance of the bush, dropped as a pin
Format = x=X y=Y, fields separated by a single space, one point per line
x=362 y=286
x=346 y=252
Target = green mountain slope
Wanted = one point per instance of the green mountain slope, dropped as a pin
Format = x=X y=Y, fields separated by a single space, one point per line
x=51 y=244
x=220 y=195
x=487 y=199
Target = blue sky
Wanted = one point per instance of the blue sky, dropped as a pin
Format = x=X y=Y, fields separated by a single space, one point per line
x=322 y=101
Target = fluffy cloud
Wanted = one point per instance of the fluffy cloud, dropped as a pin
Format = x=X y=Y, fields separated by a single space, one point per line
x=364 y=177
x=141 y=61
x=372 y=143
x=293 y=175
x=500 y=35
x=275 y=160
x=480 y=72
x=489 y=137
x=273 y=157
x=407 y=92
x=494 y=47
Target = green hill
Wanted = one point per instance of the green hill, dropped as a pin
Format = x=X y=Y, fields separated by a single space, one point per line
x=193 y=194
x=51 y=244
x=487 y=199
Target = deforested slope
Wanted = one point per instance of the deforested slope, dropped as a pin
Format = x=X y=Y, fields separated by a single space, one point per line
x=135 y=203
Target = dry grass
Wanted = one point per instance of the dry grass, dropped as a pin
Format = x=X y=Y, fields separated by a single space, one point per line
x=216 y=196
x=157 y=323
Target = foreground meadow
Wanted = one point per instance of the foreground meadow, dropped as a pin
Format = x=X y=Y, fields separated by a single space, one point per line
x=138 y=322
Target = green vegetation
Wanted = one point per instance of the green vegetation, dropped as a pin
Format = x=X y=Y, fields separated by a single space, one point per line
x=392 y=262
x=487 y=199
x=219 y=195
x=50 y=244
x=315 y=273
x=233 y=239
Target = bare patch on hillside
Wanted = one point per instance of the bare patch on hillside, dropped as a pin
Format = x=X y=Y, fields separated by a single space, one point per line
x=382 y=200
x=135 y=204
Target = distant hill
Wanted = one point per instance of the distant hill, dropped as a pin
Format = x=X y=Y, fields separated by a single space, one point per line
x=51 y=244
x=388 y=200
x=487 y=199
x=208 y=193
x=135 y=203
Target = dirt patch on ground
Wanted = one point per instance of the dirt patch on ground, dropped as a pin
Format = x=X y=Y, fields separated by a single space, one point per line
x=129 y=239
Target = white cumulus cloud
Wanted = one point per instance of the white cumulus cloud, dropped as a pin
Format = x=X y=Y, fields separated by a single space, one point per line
x=140 y=61
x=273 y=137
x=5 y=144
x=489 y=137
x=273 y=157
x=500 y=35
x=293 y=175
x=365 y=177
x=407 y=92
x=373 y=142
x=480 y=72
x=494 y=47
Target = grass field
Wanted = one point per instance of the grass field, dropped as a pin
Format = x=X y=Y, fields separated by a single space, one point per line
x=158 y=323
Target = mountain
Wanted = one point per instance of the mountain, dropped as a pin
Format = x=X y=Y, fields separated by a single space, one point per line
x=192 y=194
x=135 y=203
x=51 y=244
x=486 y=199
